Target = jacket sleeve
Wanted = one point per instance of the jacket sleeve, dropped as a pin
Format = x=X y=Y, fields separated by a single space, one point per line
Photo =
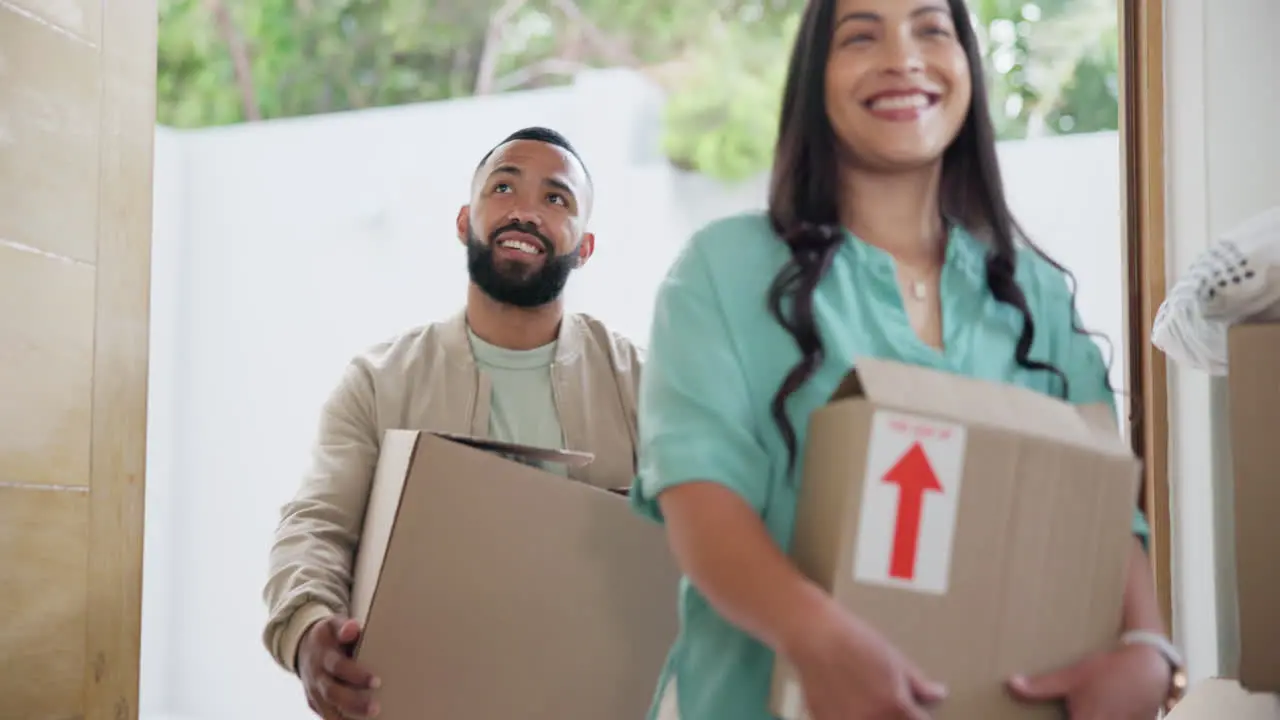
x=631 y=367
x=312 y=559
x=637 y=369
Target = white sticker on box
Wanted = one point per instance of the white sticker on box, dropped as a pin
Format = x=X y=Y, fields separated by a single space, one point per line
x=910 y=499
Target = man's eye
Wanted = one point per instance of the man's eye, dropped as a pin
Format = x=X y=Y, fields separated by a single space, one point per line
x=502 y=188
x=558 y=198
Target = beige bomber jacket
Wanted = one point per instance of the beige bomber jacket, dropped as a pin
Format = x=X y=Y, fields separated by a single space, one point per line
x=427 y=379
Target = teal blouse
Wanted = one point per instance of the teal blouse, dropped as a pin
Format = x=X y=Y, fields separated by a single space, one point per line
x=716 y=357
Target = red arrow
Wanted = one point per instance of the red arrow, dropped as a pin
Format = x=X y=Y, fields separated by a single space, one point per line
x=914 y=477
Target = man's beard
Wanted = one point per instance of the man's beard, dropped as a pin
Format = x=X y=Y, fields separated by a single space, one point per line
x=512 y=283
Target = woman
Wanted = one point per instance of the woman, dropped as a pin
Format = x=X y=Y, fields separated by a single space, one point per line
x=888 y=234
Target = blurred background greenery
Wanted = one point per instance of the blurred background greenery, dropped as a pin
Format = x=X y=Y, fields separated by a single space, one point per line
x=1052 y=64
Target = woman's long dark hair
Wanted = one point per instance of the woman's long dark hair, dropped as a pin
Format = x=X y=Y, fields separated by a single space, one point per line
x=804 y=200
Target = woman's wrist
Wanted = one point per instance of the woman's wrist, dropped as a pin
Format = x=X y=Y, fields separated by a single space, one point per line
x=806 y=611
x=1163 y=656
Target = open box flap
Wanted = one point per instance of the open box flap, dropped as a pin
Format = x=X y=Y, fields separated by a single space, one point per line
x=973 y=401
x=570 y=458
x=394 y=461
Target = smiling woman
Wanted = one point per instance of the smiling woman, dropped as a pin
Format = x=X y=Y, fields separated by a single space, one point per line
x=887 y=216
x=889 y=120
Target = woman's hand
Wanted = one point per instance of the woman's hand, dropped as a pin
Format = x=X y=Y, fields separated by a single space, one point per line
x=848 y=671
x=1129 y=683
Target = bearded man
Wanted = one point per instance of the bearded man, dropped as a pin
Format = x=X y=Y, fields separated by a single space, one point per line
x=512 y=366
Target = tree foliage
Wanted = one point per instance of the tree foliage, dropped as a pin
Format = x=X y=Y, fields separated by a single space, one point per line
x=1052 y=63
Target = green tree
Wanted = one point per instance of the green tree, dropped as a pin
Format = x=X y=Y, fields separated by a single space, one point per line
x=722 y=117
x=222 y=61
x=1052 y=63
x=1052 y=68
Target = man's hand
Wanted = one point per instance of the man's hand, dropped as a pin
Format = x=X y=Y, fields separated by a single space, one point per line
x=337 y=687
x=1130 y=683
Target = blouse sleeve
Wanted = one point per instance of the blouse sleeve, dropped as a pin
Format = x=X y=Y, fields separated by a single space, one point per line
x=695 y=414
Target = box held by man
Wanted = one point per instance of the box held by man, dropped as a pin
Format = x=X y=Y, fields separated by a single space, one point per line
x=491 y=589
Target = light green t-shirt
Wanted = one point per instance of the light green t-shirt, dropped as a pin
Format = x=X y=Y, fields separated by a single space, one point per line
x=716 y=358
x=522 y=408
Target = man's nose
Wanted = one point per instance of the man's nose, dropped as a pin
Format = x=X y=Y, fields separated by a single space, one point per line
x=525 y=216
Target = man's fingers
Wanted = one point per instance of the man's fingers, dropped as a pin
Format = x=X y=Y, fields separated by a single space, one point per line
x=350 y=672
x=348 y=631
x=342 y=628
x=321 y=708
x=350 y=703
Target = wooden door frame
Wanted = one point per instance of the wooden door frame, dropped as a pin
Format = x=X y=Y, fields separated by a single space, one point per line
x=1142 y=139
x=117 y=495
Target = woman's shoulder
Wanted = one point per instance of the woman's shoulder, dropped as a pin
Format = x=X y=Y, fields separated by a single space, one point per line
x=740 y=243
x=1044 y=282
x=1050 y=292
x=729 y=262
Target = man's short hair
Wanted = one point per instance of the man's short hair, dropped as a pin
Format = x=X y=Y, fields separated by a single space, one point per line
x=538 y=134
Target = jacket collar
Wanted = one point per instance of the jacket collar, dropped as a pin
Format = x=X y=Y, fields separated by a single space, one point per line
x=568 y=341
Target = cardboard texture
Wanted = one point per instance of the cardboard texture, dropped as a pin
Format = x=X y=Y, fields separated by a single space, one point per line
x=490 y=589
x=1254 y=419
x=1217 y=699
x=984 y=529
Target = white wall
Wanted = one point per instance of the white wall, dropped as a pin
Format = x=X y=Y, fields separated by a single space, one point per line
x=283 y=248
x=159 y=580
x=1223 y=154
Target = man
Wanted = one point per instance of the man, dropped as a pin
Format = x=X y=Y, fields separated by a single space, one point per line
x=512 y=366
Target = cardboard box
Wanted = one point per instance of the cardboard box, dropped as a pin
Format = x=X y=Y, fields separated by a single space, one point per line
x=984 y=529
x=491 y=589
x=1217 y=699
x=1254 y=425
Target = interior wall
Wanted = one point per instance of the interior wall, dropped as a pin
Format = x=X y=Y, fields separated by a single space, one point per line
x=77 y=115
x=162 y=553
x=1223 y=165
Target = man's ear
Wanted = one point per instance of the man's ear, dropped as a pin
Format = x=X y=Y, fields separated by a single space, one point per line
x=586 y=248
x=464 y=223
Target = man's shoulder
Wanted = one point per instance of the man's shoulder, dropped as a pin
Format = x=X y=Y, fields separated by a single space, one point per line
x=618 y=346
x=403 y=352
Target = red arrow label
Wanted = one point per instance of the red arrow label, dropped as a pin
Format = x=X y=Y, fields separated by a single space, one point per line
x=914 y=477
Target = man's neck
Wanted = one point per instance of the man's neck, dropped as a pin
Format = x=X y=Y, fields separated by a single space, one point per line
x=511 y=327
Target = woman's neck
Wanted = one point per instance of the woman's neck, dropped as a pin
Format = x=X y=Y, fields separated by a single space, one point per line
x=897 y=213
